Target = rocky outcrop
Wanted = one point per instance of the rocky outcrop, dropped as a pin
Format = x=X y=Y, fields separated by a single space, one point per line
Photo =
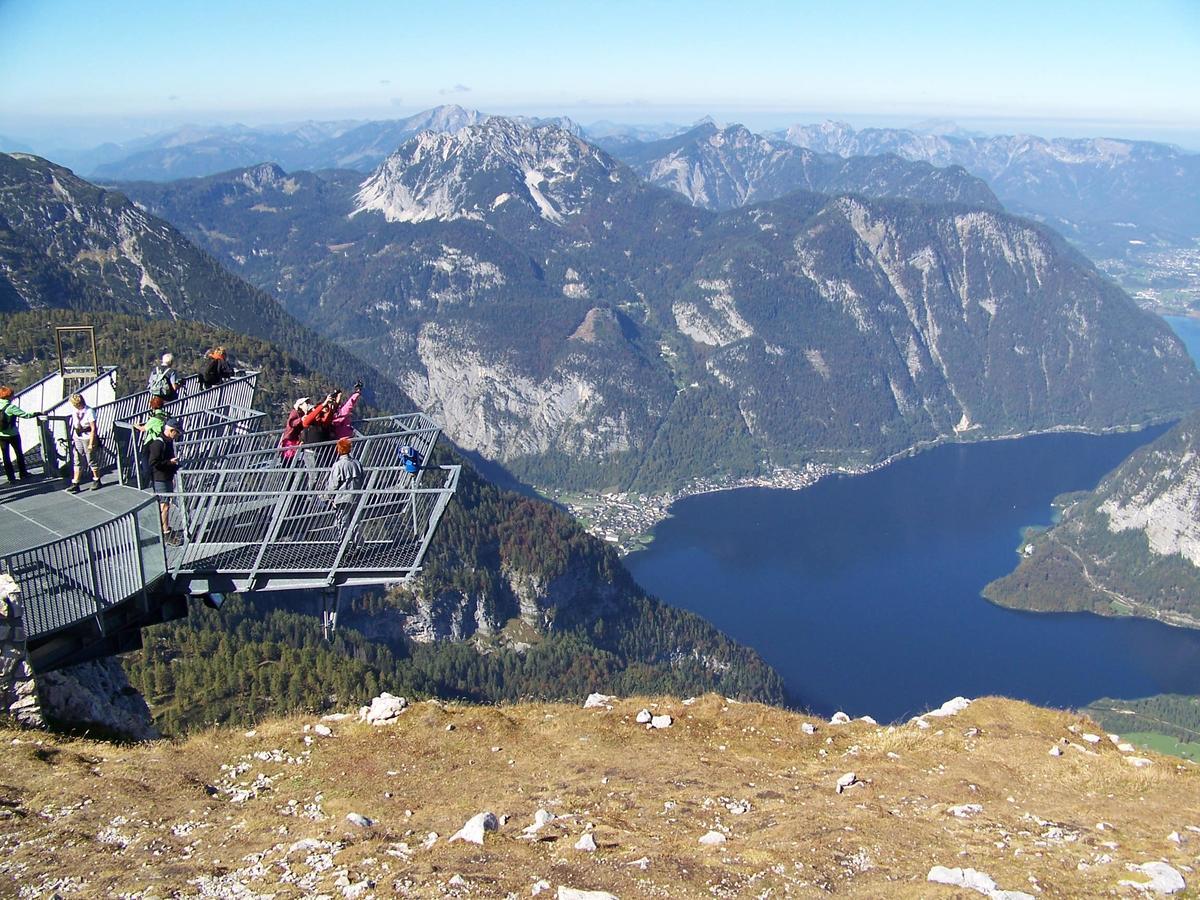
x=97 y=697
x=18 y=691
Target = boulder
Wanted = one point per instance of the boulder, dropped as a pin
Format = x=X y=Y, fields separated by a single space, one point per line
x=97 y=696
x=808 y=728
x=1163 y=879
x=712 y=839
x=661 y=722
x=567 y=893
x=643 y=717
x=598 y=701
x=384 y=709
x=839 y=718
x=476 y=826
x=358 y=819
x=950 y=707
x=973 y=880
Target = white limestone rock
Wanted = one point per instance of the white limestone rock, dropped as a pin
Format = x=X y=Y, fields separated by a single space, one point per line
x=1056 y=750
x=476 y=826
x=643 y=716
x=661 y=721
x=808 y=728
x=712 y=839
x=1139 y=762
x=358 y=819
x=598 y=701
x=1091 y=738
x=323 y=730
x=950 y=707
x=384 y=709
x=567 y=893
x=848 y=780
x=839 y=718
x=1163 y=879
x=966 y=810
x=586 y=843
x=973 y=880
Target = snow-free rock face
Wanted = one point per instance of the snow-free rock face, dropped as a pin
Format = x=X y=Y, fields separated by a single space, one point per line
x=1132 y=546
x=480 y=168
x=96 y=696
x=543 y=603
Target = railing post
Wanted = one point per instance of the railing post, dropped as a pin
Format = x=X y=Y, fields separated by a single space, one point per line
x=91 y=560
x=368 y=488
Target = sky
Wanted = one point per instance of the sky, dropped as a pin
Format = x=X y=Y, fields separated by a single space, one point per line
x=82 y=72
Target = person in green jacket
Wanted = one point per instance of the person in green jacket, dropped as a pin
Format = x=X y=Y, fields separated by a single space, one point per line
x=10 y=435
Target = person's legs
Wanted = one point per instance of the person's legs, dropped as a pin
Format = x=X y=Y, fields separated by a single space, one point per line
x=78 y=458
x=94 y=464
x=5 y=449
x=20 y=455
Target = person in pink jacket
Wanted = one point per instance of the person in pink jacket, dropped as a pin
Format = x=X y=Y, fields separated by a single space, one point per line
x=341 y=418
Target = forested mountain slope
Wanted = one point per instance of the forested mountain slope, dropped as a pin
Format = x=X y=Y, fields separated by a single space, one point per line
x=1130 y=547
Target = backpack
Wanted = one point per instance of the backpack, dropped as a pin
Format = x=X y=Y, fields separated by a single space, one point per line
x=154 y=426
x=210 y=374
x=6 y=421
x=411 y=458
x=160 y=384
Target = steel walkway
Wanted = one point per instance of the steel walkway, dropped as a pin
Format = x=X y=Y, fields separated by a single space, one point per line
x=94 y=568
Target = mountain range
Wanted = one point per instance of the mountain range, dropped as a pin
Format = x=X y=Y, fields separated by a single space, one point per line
x=1102 y=192
x=1130 y=547
x=724 y=168
x=588 y=329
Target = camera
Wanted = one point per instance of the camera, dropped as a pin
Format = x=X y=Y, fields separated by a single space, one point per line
x=358 y=385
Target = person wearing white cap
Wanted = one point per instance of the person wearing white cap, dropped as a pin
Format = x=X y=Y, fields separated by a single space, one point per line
x=164 y=380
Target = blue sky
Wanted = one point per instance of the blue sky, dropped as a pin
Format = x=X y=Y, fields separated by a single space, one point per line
x=1103 y=67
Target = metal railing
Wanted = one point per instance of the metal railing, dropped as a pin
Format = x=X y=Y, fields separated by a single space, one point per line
x=78 y=577
x=204 y=431
x=195 y=398
x=283 y=523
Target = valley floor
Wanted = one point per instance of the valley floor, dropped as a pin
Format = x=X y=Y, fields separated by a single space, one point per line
x=264 y=813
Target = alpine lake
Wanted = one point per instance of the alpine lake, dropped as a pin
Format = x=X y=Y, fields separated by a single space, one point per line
x=864 y=591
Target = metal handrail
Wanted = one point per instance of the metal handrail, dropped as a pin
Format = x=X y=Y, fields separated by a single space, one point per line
x=237 y=391
x=78 y=577
x=216 y=423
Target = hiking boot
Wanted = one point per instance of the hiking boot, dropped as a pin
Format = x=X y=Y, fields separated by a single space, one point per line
x=96 y=485
x=73 y=489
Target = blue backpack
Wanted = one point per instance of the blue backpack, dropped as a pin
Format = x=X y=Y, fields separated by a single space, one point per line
x=411 y=458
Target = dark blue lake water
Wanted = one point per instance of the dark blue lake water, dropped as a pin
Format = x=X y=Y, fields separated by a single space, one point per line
x=864 y=592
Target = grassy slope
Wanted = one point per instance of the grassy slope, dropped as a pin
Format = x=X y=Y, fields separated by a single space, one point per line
x=165 y=816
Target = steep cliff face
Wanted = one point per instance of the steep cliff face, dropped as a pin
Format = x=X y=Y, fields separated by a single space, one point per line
x=1131 y=547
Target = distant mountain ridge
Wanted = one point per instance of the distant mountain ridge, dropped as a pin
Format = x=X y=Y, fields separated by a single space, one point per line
x=1102 y=191
x=585 y=328
x=724 y=168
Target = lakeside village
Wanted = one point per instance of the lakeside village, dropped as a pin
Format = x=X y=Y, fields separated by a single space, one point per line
x=1165 y=281
x=627 y=519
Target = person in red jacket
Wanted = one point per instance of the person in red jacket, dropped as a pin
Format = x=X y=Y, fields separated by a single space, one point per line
x=293 y=429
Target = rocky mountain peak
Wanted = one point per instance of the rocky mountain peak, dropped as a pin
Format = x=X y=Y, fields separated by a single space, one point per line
x=472 y=172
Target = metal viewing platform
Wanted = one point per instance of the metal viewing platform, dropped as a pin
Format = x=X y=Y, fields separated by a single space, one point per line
x=94 y=568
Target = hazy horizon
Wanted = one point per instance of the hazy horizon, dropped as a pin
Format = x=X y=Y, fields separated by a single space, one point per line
x=70 y=78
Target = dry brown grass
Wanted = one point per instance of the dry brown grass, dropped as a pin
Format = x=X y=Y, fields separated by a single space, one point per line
x=92 y=819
